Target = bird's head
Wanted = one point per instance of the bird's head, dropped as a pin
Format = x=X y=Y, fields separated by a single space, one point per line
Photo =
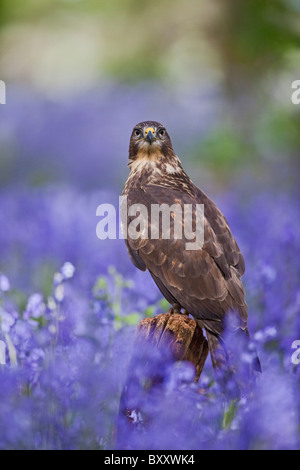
x=149 y=142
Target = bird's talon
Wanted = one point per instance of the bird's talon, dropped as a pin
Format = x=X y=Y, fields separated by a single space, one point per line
x=174 y=309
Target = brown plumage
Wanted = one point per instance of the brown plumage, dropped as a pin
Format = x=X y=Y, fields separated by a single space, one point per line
x=205 y=282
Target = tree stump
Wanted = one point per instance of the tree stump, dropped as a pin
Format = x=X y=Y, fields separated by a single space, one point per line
x=159 y=340
x=177 y=332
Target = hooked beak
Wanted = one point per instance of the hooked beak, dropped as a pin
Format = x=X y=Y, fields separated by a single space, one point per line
x=149 y=135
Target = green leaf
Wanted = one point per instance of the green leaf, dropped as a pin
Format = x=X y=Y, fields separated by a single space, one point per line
x=229 y=414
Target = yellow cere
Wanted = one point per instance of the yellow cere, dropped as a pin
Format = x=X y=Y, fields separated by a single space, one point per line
x=149 y=129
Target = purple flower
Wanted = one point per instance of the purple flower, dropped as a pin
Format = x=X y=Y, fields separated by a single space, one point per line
x=66 y=341
x=67 y=270
x=6 y=321
x=4 y=283
x=35 y=306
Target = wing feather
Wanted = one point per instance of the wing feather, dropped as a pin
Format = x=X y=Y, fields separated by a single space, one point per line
x=206 y=282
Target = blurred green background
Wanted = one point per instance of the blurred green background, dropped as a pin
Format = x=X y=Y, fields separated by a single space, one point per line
x=244 y=54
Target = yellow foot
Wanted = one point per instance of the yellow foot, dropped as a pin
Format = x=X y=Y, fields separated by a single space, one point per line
x=175 y=309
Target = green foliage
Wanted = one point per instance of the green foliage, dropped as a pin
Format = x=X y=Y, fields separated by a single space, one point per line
x=249 y=38
x=253 y=37
x=247 y=47
x=230 y=412
x=113 y=290
x=278 y=131
x=221 y=150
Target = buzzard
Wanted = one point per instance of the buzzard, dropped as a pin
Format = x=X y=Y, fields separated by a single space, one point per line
x=204 y=282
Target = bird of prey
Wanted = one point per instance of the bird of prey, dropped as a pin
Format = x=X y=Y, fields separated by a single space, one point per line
x=205 y=282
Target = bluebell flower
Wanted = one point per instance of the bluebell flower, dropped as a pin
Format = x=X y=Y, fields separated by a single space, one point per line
x=4 y=283
x=67 y=270
x=6 y=321
x=66 y=340
x=35 y=306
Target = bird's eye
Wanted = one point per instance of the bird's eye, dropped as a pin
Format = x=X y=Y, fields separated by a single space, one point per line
x=162 y=132
x=137 y=132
